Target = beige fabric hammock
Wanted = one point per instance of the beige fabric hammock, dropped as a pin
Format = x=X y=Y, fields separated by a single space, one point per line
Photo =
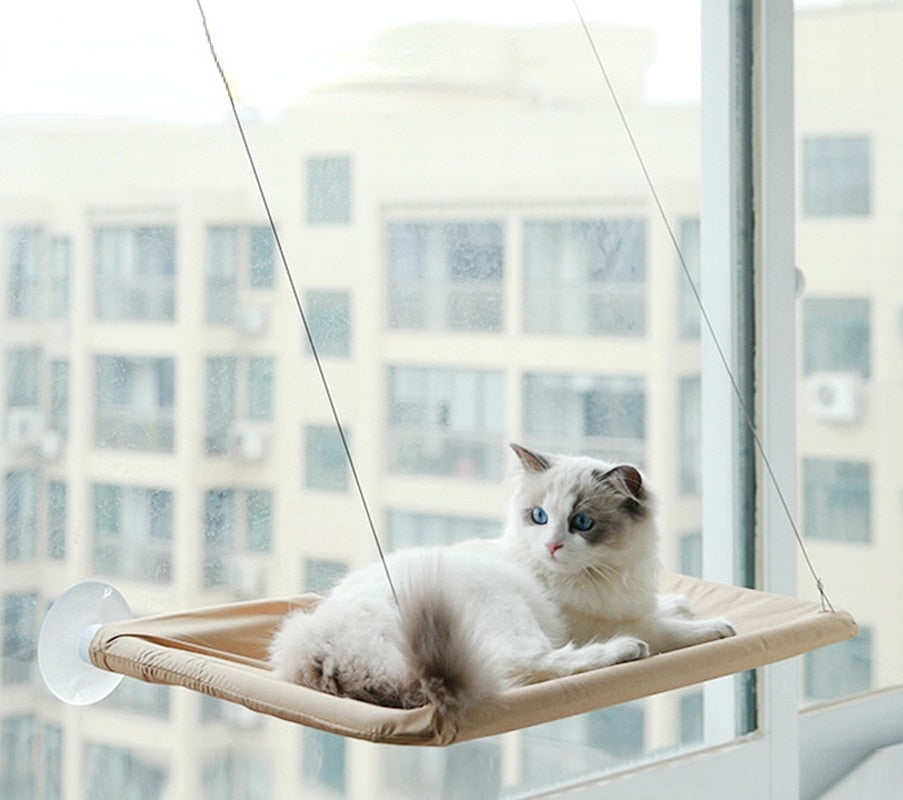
x=221 y=651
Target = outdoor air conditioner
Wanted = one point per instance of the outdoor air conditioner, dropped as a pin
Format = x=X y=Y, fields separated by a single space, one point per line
x=248 y=443
x=251 y=320
x=247 y=577
x=834 y=396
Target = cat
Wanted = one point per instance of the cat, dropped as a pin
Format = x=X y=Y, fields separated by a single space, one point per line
x=570 y=586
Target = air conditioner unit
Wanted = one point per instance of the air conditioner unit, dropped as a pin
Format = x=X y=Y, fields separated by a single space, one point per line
x=24 y=427
x=247 y=577
x=50 y=445
x=251 y=320
x=834 y=396
x=248 y=443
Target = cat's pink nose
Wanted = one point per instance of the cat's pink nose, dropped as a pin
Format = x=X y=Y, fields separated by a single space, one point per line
x=554 y=547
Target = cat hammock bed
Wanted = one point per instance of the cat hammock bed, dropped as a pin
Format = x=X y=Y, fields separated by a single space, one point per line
x=87 y=644
x=221 y=651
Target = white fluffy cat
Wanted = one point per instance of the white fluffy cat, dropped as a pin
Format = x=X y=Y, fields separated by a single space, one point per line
x=569 y=587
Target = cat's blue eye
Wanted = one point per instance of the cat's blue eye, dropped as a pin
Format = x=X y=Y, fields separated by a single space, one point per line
x=539 y=516
x=582 y=522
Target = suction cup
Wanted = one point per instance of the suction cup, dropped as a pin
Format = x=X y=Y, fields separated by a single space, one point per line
x=66 y=635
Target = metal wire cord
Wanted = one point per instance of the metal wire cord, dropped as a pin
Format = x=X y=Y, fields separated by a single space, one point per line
x=707 y=322
x=710 y=329
x=324 y=381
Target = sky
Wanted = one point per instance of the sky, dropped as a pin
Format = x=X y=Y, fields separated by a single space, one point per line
x=149 y=57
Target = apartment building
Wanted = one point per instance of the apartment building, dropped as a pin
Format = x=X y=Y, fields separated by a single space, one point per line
x=478 y=261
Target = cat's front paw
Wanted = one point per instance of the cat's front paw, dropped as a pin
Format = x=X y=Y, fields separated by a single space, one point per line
x=627 y=648
x=715 y=628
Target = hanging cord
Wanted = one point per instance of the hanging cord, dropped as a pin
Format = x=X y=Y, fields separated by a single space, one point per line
x=710 y=328
x=298 y=304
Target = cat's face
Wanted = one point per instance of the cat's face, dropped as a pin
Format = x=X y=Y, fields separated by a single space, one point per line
x=574 y=514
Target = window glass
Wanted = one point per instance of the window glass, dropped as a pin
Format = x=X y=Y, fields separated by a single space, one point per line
x=57 y=503
x=688 y=309
x=481 y=263
x=134 y=272
x=329 y=317
x=598 y=415
x=445 y=275
x=23 y=268
x=17 y=759
x=837 y=179
x=20 y=492
x=445 y=421
x=848 y=87
x=325 y=463
x=133 y=532
x=329 y=190
x=20 y=613
x=585 y=276
x=134 y=402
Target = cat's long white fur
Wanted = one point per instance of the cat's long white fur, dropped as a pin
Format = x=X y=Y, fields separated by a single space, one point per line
x=544 y=600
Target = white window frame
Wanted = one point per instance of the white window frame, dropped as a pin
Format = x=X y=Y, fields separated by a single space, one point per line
x=790 y=754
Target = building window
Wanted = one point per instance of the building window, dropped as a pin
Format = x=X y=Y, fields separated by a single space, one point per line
x=135 y=270
x=469 y=769
x=25 y=246
x=20 y=629
x=445 y=421
x=329 y=191
x=117 y=772
x=599 y=415
x=615 y=733
x=691 y=718
x=837 y=335
x=689 y=444
x=260 y=388
x=320 y=575
x=219 y=536
x=413 y=529
x=138 y=697
x=219 y=407
x=839 y=670
x=37 y=274
x=325 y=460
x=60 y=269
x=688 y=313
x=445 y=275
x=837 y=176
x=57 y=510
x=20 y=511
x=236 y=522
x=23 y=370
x=689 y=554
x=329 y=318
x=18 y=776
x=238 y=258
x=135 y=400
x=585 y=277
x=236 y=776
x=59 y=397
x=323 y=759
x=133 y=532
x=52 y=762
x=259 y=520
x=238 y=390
x=837 y=499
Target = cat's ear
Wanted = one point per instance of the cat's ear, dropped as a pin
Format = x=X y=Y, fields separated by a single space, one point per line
x=627 y=480
x=532 y=462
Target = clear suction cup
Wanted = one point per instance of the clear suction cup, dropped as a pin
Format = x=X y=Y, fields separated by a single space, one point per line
x=66 y=635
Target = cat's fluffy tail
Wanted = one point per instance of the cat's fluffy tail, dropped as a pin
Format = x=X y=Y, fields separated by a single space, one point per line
x=442 y=649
